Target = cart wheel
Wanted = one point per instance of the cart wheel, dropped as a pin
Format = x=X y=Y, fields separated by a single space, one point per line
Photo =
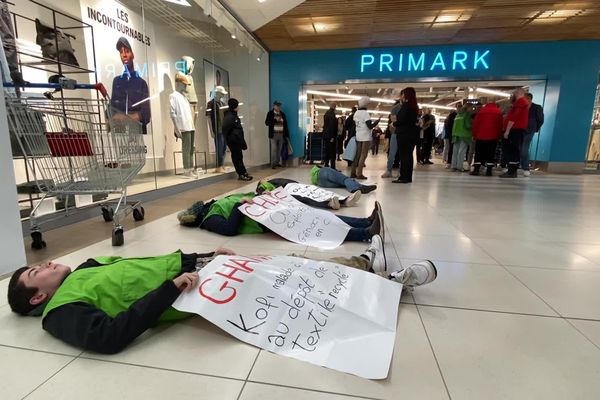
x=117 y=236
x=37 y=243
x=138 y=213
x=108 y=213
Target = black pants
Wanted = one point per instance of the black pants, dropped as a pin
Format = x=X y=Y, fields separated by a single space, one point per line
x=485 y=152
x=406 y=147
x=237 y=158
x=330 y=153
x=426 y=147
x=450 y=150
x=511 y=147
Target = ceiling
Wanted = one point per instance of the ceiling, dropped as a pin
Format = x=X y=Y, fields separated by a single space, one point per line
x=255 y=14
x=329 y=24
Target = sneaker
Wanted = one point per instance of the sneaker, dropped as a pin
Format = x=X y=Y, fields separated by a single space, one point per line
x=221 y=170
x=387 y=174
x=427 y=162
x=376 y=254
x=526 y=173
x=376 y=227
x=190 y=173
x=364 y=189
x=374 y=212
x=352 y=199
x=417 y=274
x=334 y=203
x=245 y=178
x=380 y=216
x=361 y=177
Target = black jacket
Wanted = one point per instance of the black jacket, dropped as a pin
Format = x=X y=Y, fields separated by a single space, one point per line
x=536 y=118
x=233 y=130
x=406 y=123
x=449 y=125
x=270 y=122
x=85 y=326
x=330 y=125
x=350 y=127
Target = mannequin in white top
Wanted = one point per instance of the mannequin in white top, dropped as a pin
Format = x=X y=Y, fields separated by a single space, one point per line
x=183 y=122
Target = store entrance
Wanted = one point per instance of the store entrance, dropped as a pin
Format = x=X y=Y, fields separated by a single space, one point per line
x=441 y=97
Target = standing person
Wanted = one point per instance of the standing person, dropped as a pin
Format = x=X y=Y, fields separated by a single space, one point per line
x=487 y=129
x=393 y=140
x=448 y=126
x=130 y=94
x=536 y=120
x=516 y=124
x=278 y=133
x=428 y=136
x=234 y=136
x=330 y=135
x=376 y=135
x=363 y=122
x=341 y=134
x=407 y=133
x=462 y=137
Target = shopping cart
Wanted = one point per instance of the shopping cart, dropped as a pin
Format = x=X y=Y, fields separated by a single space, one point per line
x=76 y=146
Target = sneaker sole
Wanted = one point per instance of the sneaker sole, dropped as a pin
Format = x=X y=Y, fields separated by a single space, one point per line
x=381 y=221
x=435 y=272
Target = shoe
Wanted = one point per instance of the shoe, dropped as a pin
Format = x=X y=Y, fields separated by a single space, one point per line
x=189 y=173
x=417 y=274
x=488 y=170
x=376 y=254
x=353 y=176
x=279 y=165
x=364 y=189
x=387 y=174
x=362 y=177
x=427 y=162
x=402 y=180
x=334 y=203
x=380 y=215
x=245 y=178
x=509 y=175
x=375 y=228
x=374 y=212
x=274 y=167
x=352 y=199
x=221 y=170
x=526 y=173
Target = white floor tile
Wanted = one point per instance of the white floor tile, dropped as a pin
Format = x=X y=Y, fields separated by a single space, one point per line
x=591 y=252
x=4 y=291
x=257 y=391
x=413 y=373
x=506 y=356
x=574 y=294
x=193 y=345
x=441 y=248
x=96 y=380
x=23 y=370
x=591 y=329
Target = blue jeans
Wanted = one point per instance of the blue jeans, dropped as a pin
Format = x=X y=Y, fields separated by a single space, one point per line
x=525 y=151
x=358 y=231
x=220 y=149
x=330 y=178
x=393 y=152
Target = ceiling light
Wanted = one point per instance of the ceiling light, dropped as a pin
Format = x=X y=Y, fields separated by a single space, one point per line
x=435 y=106
x=180 y=2
x=345 y=96
x=493 y=92
x=233 y=36
x=261 y=1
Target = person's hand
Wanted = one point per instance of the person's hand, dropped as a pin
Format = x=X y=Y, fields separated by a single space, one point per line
x=506 y=135
x=246 y=200
x=186 y=282
x=222 y=251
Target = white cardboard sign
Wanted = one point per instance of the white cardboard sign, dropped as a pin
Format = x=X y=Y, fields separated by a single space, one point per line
x=295 y=221
x=316 y=311
x=311 y=191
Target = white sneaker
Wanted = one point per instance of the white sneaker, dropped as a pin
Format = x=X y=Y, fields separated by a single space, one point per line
x=334 y=203
x=376 y=254
x=387 y=174
x=526 y=173
x=417 y=274
x=352 y=199
x=189 y=173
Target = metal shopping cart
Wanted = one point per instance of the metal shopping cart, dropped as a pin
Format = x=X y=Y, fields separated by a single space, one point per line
x=76 y=146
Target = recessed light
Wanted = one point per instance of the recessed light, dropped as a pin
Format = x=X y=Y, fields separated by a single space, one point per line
x=233 y=36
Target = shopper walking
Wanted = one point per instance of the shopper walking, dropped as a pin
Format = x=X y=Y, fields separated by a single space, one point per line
x=278 y=133
x=330 y=135
x=428 y=136
x=536 y=120
x=516 y=124
x=407 y=133
x=487 y=129
x=364 y=125
x=234 y=137
x=341 y=135
x=462 y=136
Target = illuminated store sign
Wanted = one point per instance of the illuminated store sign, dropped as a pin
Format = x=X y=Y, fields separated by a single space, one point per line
x=425 y=61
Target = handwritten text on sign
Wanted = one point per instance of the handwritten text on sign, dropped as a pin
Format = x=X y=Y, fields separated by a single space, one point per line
x=317 y=311
x=312 y=192
x=295 y=221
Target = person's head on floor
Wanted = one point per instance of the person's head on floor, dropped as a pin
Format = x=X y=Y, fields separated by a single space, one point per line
x=30 y=288
x=125 y=52
x=277 y=106
x=529 y=97
x=363 y=102
x=233 y=104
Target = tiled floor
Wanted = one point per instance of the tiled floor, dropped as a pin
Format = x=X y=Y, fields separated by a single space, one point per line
x=513 y=315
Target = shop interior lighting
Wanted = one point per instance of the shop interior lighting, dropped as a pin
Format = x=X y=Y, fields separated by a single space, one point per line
x=493 y=92
x=179 y=2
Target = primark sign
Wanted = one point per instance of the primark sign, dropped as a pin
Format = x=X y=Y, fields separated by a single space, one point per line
x=458 y=60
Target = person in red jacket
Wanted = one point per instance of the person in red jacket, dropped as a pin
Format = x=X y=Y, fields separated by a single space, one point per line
x=487 y=129
x=515 y=128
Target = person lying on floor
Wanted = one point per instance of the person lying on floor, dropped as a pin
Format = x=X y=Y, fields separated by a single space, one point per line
x=330 y=178
x=333 y=203
x=107 y=302
x=223 y=216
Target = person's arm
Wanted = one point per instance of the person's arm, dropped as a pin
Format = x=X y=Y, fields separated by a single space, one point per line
x=85 y=326
x=227 y=126
x=269 y=119
x=371 y=124
x=286 y=131
x=539 y=117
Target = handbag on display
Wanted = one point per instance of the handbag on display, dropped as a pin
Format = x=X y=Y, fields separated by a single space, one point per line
x=55 y=44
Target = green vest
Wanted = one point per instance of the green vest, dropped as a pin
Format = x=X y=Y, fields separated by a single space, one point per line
x=314 y=175
x=224 y=208
x=266 y=185
x=118 y=283
x=462 y=126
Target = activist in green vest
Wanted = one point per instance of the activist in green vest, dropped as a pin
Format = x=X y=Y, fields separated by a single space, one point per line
x=224 y=217
x=332 y=178
x=462 y=137
x=107 y=302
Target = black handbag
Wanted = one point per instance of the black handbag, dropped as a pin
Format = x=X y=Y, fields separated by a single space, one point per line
x=55 y=44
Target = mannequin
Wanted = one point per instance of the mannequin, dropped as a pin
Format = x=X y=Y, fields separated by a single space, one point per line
x=190 y=90
x=215 y=111
x=183 y=121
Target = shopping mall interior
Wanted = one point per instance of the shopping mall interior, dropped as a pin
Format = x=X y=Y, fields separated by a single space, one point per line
x=241 y=199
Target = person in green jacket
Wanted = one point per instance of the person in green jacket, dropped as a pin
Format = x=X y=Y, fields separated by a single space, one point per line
x=462 y=136
x=107 y=302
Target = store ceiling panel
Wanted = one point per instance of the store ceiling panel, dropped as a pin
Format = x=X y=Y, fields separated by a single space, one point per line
x=329 y=24
x=255 y=13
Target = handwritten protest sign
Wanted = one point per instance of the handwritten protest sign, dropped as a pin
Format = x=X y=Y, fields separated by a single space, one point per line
x=295 y=221
x=316 y=311
x=311 y=191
